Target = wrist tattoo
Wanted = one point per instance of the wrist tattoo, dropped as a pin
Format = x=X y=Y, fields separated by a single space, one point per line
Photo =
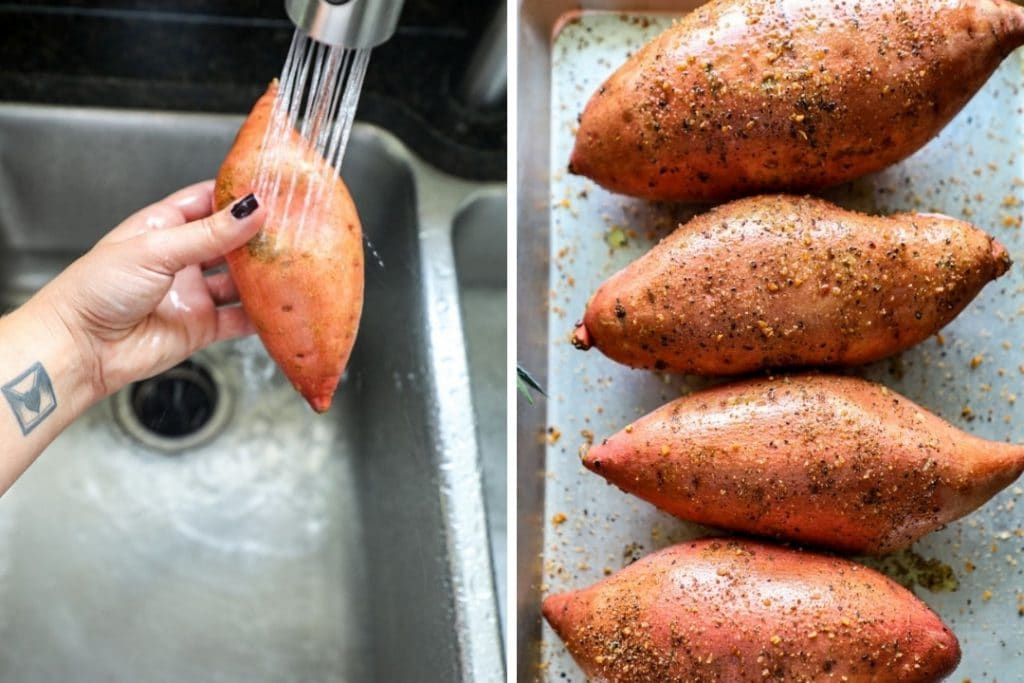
x=31 y=397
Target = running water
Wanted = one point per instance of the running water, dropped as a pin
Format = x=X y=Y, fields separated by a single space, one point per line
x=317 y=96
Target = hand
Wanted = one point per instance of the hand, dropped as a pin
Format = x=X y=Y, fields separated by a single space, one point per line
x=140 y=302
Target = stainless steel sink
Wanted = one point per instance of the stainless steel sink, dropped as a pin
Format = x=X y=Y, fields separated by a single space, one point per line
x=289 y=547
x=481 y=261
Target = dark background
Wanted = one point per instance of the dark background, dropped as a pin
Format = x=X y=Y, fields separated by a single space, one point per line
x=218 y=56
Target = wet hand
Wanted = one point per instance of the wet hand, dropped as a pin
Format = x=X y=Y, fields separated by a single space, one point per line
x=150 y=293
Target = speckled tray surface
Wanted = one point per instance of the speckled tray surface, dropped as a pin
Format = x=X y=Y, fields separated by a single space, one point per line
x=971 y=573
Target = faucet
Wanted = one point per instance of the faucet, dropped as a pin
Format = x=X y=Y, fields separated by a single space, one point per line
x=483 y=82
x=353 y=24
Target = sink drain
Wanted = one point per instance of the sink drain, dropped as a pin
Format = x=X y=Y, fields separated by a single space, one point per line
x=179 y=409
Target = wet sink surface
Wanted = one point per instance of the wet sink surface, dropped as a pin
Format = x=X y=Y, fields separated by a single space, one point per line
x=290 y=546
x=246 y=557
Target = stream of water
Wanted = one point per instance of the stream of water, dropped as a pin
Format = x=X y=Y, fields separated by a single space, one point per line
x=317 y=97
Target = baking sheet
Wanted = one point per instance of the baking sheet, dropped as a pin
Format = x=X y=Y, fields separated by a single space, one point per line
x=974 y=170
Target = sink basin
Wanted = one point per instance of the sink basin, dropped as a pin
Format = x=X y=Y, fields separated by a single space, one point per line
x=287 y=546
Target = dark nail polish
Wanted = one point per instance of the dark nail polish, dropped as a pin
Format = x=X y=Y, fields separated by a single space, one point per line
x=245 y=207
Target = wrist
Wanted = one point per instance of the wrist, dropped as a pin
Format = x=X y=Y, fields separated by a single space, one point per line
x=44 y=384
x=50 y=336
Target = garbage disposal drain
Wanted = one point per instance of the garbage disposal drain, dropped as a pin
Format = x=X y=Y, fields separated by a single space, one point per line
x=179 y=409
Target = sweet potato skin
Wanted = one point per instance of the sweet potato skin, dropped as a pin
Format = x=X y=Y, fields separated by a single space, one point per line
x=747 y=96
x=783 y=281
x=719 y=610
x=837 y=462
x=302 y=288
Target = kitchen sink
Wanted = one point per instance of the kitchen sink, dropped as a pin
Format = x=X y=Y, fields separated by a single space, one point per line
x=282 y=546
x=480 y=260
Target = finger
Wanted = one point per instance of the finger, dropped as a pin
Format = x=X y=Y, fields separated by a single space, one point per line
x=187 y=204
x=212 y=263
x=233 y=322
x=195 y=201
x=168 y=251
x=222 y=289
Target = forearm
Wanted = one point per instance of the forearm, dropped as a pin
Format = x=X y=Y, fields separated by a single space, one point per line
x=44 y=385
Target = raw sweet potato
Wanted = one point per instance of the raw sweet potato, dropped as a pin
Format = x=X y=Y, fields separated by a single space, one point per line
x=301 y=278
x=777 y=281
x=719 y=610
x=748 y=96
x=837 y=462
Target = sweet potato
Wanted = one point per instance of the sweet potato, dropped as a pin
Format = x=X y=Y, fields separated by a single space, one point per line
x=837 y=462
x=302 y=286
x=776 y=281
x=719 y=610
x=748 y=96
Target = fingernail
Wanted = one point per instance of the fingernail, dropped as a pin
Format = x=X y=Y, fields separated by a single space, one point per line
x=245 y=207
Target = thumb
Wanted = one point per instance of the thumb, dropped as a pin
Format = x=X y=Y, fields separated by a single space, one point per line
x=172 y=249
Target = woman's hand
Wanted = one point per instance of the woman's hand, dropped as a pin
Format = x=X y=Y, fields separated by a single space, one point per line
x=141 y=300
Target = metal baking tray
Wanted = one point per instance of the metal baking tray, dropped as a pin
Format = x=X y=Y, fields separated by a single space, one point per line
x=573 y=528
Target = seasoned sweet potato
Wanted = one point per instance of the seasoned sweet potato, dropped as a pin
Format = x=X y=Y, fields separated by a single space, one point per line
x=301 y=278
x=719 y=610
x=777 y=281
x=748 y=96
x=837 y=462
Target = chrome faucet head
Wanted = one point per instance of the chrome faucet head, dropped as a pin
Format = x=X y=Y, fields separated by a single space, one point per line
x=353 y=24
